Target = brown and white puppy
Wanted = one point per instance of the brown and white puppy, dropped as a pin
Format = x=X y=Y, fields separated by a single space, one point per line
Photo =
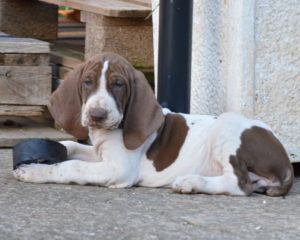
x=136 y=142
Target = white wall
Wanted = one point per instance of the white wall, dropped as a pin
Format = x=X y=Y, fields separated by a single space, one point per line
x=277 y=69
x=246 y=59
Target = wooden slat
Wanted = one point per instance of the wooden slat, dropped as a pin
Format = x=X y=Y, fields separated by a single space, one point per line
x=18 y=110
x=146 y=3
x=25 y=85
x=115 y=8
x=65 y=22
x=23 y=45
x=28 y=59
x=64 y=60
x=69 y=34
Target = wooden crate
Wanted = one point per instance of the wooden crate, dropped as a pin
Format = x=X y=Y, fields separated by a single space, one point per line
x=25 y=76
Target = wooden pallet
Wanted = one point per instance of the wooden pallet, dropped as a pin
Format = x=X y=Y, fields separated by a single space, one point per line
x=25 y=76
x=25 y=87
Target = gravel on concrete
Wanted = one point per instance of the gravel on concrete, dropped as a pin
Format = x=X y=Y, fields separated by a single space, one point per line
x=53 y=211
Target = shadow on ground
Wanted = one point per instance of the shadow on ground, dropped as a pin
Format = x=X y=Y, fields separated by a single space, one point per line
x=52 y=211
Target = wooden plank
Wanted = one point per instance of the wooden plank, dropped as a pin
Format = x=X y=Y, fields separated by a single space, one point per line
x=96 y=21
x=23 y=45
x=64 y=60
x=9 y=136
x=19 y=59
x=18 y=110
x=66 y=23
x=71 y=34
x=116 y=8
x=146 y=3
x=25 y=85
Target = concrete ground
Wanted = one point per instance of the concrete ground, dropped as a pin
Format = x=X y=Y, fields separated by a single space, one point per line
x=52 y=211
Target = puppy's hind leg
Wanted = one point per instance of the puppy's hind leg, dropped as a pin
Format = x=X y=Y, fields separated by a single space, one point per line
x=225 y=184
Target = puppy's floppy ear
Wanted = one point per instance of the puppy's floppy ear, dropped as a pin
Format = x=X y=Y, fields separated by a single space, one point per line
x=143 y=115
x=65 y=104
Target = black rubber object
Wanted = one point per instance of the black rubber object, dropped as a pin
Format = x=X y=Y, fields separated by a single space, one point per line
x=38 y=151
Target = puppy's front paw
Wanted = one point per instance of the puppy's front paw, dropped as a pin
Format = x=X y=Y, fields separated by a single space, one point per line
x=19 y=174
x=33 y=173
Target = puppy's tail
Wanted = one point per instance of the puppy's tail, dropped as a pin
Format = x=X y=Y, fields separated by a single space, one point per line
x=284 y=187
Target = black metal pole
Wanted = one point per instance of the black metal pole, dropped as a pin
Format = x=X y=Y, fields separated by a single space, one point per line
x=174 y=54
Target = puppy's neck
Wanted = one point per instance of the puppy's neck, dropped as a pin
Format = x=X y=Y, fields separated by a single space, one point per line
x=98 y=136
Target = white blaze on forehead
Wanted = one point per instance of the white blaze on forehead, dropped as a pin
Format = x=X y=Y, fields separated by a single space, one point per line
x=102 y=80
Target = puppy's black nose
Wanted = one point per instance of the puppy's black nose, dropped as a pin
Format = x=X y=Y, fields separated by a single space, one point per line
x=98 y=114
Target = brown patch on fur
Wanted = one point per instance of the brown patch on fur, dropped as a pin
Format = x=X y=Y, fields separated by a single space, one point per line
x=143 y=115
x=65 y=104
x=171 y=136
x=118 y=75
x=261 y=153
x=91 y=75
x=240 y=170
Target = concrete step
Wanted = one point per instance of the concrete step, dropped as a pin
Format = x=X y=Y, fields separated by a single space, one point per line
x=13 y=132
x=11 y=136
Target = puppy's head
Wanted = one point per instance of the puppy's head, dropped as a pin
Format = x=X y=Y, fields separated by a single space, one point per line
x=107 y=93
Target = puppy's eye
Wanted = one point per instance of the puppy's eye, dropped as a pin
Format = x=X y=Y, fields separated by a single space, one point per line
x=118 y=84
x=87 y=82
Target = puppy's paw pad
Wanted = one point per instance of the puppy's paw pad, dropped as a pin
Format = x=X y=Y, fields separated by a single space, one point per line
x=188 y=184
x=21 y=174
x=27 y=173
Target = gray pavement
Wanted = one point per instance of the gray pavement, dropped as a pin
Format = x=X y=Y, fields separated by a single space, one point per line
x=52 y=211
